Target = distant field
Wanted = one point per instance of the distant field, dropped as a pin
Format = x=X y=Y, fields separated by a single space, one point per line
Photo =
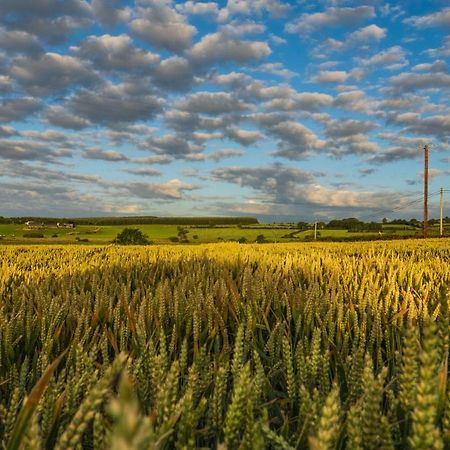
x=235 y=233
x=164 y=234
x=156 y=233
x=94 y=234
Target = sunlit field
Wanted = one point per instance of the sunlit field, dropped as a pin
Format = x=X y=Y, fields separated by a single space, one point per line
x=310 y=346
x=168 y=234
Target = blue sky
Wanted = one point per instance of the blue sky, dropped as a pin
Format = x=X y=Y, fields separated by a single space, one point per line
x=279 y=109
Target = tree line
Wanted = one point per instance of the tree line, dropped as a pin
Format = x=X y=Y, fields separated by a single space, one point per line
x=354 y=224
x=136 y=220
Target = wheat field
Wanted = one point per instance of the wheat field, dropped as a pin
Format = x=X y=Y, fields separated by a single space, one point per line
x=307 y=346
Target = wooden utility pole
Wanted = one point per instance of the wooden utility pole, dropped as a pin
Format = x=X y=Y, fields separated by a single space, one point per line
x=425 y=193
x=441 y=209
x=315 y=230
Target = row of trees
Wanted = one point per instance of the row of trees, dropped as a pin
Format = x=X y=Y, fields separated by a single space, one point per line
x=134 y=236
x=353 y=224
x=350 y=224
x=138 y=220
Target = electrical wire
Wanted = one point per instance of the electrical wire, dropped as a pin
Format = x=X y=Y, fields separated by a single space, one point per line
x=398 y=208
x=376 y=213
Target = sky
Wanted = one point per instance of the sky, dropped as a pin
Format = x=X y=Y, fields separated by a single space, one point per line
x=284 y=110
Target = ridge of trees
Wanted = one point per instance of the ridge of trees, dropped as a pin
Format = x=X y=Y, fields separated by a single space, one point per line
x=137 y=220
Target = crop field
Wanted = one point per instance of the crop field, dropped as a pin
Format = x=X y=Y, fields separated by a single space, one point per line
x=14 y=233
x=225 y=346
x=164 y=234
x=158 y=234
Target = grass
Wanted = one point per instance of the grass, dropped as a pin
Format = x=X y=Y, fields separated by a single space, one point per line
x=235 y=233
x=156 y=233
x=161 y=234
x=95 y=234
x=7 y=229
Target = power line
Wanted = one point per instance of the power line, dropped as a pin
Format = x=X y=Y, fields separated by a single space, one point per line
x=389 y=210
x=425 y=191
x=407 y=205
x=441 y=208
x=397 y=208
x=373 y=214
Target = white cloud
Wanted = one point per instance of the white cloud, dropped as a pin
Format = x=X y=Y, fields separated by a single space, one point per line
x=19 y=108
x=393 y=12
x=51 y=73
x=159 y=24
x=144 y=172
x=170 y=190
x=436 y=19
x=331 y=17
x=212 y=103
x=369 y=33
x=392 y=58
x=61 y=117
x=354 y=100
x=438 y=126
x=175 y=73
x=436 y=66
x=19 y=41
x=115 y=104
x=295 y=140
x=408 y=81
x=443 y=51
x=224 y=153
x=277 y=69
x=244 y=137
x=307 y=101
x=216 y=47
x=110 y=12
x=114 y=52
x=248 y=7
x=341 y=128
x=236 y=29
x=344 y=198
x=330 y=76
x=105 y=155
x=277 y=39
x=199 y=8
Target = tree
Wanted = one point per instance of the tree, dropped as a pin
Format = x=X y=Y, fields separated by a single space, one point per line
x=346 y=224
x=260 y=239
x=182 y=234
x=131 y=236
x=302 y=225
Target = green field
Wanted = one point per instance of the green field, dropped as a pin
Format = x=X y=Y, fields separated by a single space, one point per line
x=94 y=234
x=156 y=233
x=162 y=234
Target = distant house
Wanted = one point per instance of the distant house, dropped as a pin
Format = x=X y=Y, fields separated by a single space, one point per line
x=33 y=224
x=65 y=225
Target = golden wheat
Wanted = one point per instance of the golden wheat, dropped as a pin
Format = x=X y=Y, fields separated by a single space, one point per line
x=317 y=346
